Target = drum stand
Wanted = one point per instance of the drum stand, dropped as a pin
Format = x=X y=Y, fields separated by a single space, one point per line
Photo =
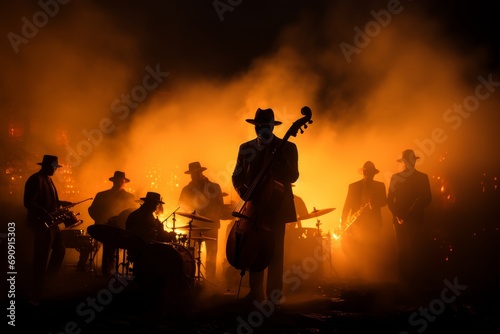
x=320 y=238
x=198 y=261
x=124 y=264
x=92 y=254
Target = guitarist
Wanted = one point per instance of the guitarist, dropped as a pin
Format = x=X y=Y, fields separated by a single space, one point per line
x=409 y=194
x=41 y=201
x=273 y=213
x=361 y=242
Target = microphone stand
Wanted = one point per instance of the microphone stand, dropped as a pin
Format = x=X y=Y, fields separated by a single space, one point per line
x=173 y=219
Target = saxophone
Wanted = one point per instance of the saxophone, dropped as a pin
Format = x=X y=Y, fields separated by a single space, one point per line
x=339 y=230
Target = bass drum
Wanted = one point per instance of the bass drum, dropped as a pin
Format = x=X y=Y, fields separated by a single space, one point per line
x=165 y=266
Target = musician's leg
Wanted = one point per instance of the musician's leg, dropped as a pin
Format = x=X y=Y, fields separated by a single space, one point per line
x=275 y=269
x=41 y=253
x=211 y=247
x=57 y=255
x=256 y=282
x=81 y=267
x=108 y=254
x=211 y=258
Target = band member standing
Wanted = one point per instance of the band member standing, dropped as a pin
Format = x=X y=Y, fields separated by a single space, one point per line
x=204 y=197
x=252 y=158
x=41 y=201
x=362 y=241
x=409 y=194
x=107 y=204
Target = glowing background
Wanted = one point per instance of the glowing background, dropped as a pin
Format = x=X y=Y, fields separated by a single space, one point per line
x=391 y=96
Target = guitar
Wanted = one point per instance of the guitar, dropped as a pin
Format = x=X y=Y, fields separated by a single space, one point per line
x=339 y=231
x=401 y=217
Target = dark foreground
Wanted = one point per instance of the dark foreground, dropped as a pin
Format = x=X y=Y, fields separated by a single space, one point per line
x=91 y=304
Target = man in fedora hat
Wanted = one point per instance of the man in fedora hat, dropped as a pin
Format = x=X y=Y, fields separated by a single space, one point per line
x=143 y=221
x=361 y=242
x=106 y=205
x=272 y=213
x=408 y=196
x=204 y=197
x=41 y=201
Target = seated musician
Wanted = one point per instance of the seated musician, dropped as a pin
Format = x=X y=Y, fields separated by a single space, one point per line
x=145 y=224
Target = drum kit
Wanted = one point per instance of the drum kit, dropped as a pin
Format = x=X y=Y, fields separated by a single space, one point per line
x=301 y=242
x=173 y=265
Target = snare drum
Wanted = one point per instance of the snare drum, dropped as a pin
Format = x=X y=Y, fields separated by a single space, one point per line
x=164 y=265
x=70 y=219
x=71 y=238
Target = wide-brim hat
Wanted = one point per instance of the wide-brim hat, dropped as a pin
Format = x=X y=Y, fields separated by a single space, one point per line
x=153 y=197
x=369 y=166
x=408 y=155
x=49 y=160
x=264 y=117
x=119 y=175
x=194 y=167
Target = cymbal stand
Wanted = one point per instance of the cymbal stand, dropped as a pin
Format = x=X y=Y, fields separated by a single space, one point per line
x=92 y=254
x=318 y=222
x=191 y=249
x=173 y=222
x=198 y=261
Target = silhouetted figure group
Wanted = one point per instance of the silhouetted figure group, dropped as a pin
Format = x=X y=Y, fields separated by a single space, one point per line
x=265 y=169
x=408 y=196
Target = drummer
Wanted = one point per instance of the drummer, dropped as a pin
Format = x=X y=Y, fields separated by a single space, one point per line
x=144 y=223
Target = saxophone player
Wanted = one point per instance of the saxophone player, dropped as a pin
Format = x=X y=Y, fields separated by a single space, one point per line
x=41 y=201
x=362 y=208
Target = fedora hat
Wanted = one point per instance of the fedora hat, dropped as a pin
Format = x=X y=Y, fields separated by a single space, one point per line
x=152 y=197
x=119 y=175
x=369 y=166
x=49 y=160
x=264 y=117
x=408 y=155
x=195 y=166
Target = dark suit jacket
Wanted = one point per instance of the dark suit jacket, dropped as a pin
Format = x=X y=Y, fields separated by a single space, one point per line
x=206 y=199
x=109 y=203
x=40 y=198
x=252 y=158
x=354 y=200
x=409 y=194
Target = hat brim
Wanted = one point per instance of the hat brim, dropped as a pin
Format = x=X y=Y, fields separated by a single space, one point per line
x=41 y=164
x=144 y=199
x=401 y=160
x=202 y=169
x=124 y=178
x=252 y=121
x=375 y=171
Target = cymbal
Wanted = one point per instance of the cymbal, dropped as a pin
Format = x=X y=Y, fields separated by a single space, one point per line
x=193 y=228
x=115 y=236
x=202 y=238
x=315 y=213
x=195 y=216
x=186 y=227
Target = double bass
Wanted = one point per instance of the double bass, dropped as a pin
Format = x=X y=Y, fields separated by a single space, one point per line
x=250 y=244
